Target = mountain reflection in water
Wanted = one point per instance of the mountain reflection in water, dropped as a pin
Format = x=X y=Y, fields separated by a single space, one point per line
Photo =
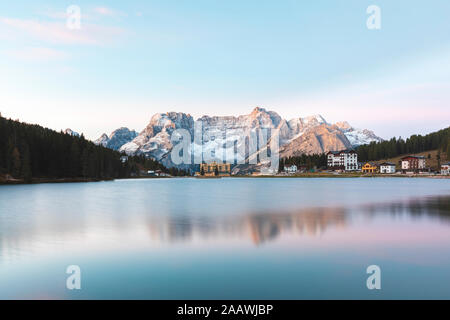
x=265 y=226
x=227 y=239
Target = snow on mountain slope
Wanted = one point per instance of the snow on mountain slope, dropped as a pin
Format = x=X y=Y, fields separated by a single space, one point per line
x=218 y=137
x=357 y=137
x=102 y=141
x=154 y=140
x=71 y=132
x=117 y=138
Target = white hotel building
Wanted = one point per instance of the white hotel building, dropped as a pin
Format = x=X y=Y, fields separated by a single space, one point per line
x=342 y=160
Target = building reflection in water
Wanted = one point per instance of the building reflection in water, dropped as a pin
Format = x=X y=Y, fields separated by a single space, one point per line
x=265 y=226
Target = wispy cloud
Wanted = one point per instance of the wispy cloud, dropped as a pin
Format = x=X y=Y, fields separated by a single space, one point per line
x=105 y=11
x=90 y=14
x=52 y=14
x=37 y=54
x=58 y=33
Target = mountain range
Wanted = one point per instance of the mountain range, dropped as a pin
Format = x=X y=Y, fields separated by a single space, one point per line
x=310 y=135
x=117 y=138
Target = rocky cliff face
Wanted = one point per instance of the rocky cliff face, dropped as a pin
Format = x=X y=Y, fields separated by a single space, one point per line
x=319 y=139
x=155 y=140
x=220 y=137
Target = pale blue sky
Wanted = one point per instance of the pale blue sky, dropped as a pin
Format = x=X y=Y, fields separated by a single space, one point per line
x=132 y=59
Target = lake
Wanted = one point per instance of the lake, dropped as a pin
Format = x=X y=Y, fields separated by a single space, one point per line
x=230 y=238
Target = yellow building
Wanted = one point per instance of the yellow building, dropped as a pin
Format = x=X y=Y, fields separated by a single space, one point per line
x=213 y=168
x=369 y=168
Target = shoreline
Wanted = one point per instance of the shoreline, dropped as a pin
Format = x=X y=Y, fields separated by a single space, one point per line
x=308 y=175
x=68 y=180
x=74 y=180
x=346 y=176
x=50 y=180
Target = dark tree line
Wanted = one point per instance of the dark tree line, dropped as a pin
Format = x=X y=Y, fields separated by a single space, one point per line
x=143 y=163
x=415 y=144
x=304 y=160
x=31 y=151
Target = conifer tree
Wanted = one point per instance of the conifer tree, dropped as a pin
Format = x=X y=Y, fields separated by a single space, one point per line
x=16 y=163
x=26 y=167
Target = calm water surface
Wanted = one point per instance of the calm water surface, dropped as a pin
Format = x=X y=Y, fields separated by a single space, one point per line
x=231 y=238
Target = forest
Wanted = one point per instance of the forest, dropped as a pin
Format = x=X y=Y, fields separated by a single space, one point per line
x=315 y=161
x=439 y=140
x=29 y=152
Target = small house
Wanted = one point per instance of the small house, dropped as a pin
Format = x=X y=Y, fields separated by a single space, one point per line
x=387 y=167
x=369 y=167
x=290 y=169
x=445 y=168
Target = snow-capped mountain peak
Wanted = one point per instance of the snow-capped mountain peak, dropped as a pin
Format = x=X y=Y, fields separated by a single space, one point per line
x=71 y=132
x=299 y=126
x=344 y=126
x=314 y=119
x=117 y=138
x=102 y=141
x=154 y=140
x=357 y=136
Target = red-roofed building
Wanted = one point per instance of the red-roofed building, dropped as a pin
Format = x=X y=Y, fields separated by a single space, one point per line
x=413 y=163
